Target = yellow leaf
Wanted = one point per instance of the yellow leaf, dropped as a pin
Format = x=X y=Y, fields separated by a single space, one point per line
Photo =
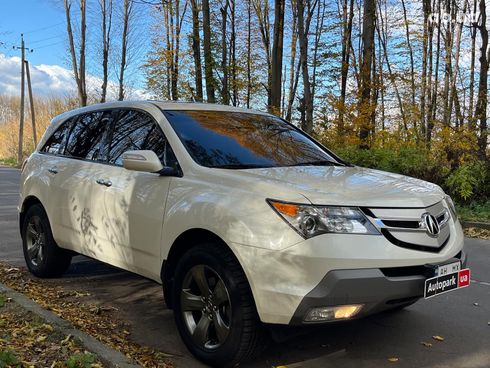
x=393 y=360
x=438 y=338
x=41 y=338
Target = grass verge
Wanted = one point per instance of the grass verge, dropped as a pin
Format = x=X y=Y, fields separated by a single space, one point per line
x=476 y=211
x=100 y=321
x=26 y=340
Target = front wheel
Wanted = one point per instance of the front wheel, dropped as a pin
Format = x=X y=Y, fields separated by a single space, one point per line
x=213 y=307
x=42 y=255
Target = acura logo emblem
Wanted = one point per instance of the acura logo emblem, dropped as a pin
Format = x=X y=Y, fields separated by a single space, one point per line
x=431 y=224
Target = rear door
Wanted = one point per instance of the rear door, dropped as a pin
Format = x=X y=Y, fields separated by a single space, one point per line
x=55 y=167
x=134 y=202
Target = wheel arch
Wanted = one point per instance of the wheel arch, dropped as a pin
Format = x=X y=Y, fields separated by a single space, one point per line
x=185 y=241
x=28 y=202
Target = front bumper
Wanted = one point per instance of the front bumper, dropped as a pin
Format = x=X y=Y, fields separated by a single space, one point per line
x=377 y=289
x=281 y=279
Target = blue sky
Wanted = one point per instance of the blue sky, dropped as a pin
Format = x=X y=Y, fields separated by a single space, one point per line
x=42 y=23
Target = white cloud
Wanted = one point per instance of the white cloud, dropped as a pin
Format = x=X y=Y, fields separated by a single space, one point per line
x=52 y=80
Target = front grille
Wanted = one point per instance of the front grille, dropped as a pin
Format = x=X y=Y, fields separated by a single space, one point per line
x=409 y=227
x=402 y=224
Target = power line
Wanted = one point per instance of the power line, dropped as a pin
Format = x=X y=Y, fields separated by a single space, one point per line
x=44 y=39
x=51 y=44
x=43 y=28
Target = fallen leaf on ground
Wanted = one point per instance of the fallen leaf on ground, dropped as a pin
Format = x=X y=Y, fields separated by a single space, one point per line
x=438 y=338
x=426 y=344
x=393 y=360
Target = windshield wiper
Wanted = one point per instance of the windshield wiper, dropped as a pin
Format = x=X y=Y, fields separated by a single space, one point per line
x=241 y=166
x=318 y=163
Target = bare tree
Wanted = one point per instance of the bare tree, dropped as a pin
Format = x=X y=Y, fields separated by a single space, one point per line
x=306 y=107
x=127 y=10
x=225 y=96
x=482 y=100
x=208 y=57
x=347 y=17
x=196 y=48
x=78 y=64
x=277 y=51
x=368 y=26
x=106 y=12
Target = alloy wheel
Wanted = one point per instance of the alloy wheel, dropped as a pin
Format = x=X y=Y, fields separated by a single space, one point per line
x=205 y=307
x=36 y=240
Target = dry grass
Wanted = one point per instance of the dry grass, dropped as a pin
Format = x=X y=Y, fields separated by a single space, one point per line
x=45 y=109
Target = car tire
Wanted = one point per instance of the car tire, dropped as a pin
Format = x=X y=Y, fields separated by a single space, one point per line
x=214 y=308
x=42 y=255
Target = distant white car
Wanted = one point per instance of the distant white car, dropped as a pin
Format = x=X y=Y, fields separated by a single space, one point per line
x=241 y=216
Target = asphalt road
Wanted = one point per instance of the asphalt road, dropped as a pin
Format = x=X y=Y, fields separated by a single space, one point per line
x=461 y=317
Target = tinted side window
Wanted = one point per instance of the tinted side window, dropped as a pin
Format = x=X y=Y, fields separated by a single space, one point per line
x=87 y=136
x=136 y=130
x=56 y=143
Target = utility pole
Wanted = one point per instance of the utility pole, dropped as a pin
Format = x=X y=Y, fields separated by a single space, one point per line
x=22 y=93
x=31 y=103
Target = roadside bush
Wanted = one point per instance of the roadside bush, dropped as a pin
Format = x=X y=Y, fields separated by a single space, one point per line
x=469 y=181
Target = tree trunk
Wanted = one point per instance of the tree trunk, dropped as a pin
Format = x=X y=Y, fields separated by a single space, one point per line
x=196 y=49
x=249 y=53
x=77 y=65
x=482 y=100
x=473 y=29
x=276 y=62
x=128 y=5
x=425 y=42
x=233 y=53
x=262 y=12
x=368 y=25
x=346 y=46
x=225 y=96
x=106 y=10
x=307 y=105
x=293 y=67
x=208 y=57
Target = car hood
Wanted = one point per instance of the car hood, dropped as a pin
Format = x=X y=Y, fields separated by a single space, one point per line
x=343 y=185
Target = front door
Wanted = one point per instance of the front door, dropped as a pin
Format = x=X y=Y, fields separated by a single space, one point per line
x=132 y=212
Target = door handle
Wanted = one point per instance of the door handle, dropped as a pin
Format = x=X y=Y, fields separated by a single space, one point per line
x=53 y=170
x=107 y=183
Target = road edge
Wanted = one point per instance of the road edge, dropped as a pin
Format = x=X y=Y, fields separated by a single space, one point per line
x=106 y=354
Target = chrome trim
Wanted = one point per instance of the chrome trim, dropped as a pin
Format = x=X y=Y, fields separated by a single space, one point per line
x=378 y=222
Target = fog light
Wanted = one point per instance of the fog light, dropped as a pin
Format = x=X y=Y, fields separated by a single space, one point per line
x=320 y=314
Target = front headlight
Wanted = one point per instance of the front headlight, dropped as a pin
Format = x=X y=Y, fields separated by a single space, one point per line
x=451 y=206
x=310 y=220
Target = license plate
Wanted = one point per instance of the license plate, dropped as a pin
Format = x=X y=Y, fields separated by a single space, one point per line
x=444 y=283
x=448 y=268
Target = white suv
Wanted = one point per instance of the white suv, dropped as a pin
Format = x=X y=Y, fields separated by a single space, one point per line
x=242 y=217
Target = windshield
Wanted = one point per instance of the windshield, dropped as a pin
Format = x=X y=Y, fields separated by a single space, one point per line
x=236 y=140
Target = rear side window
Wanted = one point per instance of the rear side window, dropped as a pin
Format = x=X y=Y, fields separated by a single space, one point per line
x=136 y=130
x=56 y=143
x=88 y=136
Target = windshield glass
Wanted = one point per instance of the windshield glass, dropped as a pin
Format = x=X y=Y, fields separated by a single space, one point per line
x=236 y=140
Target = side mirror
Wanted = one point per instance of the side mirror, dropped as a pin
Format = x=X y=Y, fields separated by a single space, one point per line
x=143 y=160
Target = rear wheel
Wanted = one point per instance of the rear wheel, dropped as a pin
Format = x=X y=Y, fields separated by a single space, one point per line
x=213 y=307
x=42 y=255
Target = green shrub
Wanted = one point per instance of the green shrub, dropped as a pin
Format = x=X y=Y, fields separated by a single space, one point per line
x=82 y=360
x=8 y=359
x=469 y=181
